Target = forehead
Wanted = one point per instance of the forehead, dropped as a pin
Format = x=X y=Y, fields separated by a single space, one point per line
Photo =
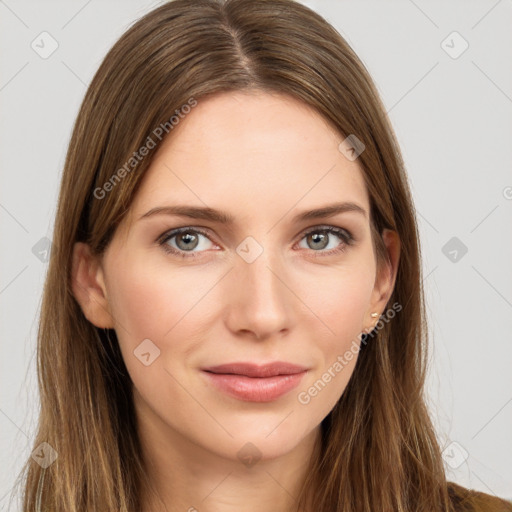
x=253 y=154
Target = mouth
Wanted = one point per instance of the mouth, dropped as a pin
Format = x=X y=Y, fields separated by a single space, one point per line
x=255 y=383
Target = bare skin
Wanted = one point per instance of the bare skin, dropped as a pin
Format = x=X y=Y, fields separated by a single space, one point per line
x=263 y=159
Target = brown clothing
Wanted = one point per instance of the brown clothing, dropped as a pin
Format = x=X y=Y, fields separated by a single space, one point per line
x=467 y=500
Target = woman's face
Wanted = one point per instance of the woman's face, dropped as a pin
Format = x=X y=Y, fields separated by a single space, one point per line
x=269 y=285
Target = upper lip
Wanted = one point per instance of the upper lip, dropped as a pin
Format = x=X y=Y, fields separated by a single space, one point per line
x=254 y=370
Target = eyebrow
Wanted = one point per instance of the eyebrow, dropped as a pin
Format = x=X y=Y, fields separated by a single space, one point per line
x=207 y=213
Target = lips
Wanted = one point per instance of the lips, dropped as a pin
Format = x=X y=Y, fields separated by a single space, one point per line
x=255 y=383
x=253 y=370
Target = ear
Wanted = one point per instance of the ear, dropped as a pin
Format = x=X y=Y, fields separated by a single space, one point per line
x=385 y=278
x=88 y=285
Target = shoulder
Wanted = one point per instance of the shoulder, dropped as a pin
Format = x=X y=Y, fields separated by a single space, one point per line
x=468 y=500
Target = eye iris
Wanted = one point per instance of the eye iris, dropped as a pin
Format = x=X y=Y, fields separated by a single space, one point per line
x=189 y=237
x=188 y=240
x=316 y=237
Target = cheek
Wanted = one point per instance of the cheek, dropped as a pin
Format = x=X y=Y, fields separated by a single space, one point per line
x=149 y=300
x=340 y=299
x=167 y=305
x=341 y=303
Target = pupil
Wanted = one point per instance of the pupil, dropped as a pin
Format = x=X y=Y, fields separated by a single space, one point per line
x=188 y=240
x=318 y=238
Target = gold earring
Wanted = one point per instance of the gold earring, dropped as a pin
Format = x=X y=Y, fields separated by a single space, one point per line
x=374 y=315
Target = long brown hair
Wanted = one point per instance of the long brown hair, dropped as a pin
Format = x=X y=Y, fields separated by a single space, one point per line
x=379 y=449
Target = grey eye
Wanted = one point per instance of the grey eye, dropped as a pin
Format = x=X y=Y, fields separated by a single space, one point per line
x=319 y=239
x=186 y=241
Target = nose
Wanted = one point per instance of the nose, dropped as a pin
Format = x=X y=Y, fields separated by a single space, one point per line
x=259 y=297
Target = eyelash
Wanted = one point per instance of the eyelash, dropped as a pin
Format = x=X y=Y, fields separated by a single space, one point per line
x=343 y=234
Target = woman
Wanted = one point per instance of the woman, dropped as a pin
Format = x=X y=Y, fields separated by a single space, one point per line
x=233 y=314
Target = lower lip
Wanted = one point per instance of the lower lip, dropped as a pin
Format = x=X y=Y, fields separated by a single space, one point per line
x=255 y=389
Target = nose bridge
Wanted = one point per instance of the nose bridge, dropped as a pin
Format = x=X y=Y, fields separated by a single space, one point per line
x=261 y=297
x=262 y=275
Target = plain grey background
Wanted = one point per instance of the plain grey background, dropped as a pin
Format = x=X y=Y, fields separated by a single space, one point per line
x=444 y=72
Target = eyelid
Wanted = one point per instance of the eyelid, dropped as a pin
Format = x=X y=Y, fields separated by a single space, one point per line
x=344 y=234
x=207 y=232
x=171 y=233
x=331 y=228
